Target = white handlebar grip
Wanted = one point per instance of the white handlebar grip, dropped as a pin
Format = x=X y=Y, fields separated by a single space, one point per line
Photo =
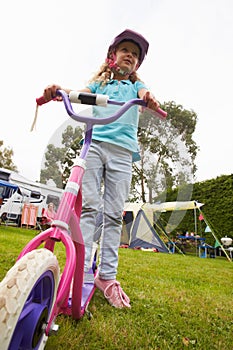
x=74 y=97
x=88 y=98
x=102 y=100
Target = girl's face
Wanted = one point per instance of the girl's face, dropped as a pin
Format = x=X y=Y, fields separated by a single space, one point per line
x=127 y=56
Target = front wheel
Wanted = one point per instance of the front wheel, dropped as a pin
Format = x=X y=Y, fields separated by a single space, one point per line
x=27 y=295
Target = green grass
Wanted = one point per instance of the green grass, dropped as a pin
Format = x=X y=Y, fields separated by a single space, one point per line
x=178 y=302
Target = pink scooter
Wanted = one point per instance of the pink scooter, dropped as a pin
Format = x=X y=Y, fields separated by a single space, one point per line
x=33 y=293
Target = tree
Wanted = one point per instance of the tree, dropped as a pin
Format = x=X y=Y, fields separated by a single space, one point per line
x=71 y=141
x=6 y=155
x=59 y=160
x=168 y=152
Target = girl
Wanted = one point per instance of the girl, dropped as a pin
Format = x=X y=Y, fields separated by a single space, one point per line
x=109 y=161
x=49 y=214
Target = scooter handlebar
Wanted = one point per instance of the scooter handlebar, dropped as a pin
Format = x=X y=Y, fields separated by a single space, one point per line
x=99 y=100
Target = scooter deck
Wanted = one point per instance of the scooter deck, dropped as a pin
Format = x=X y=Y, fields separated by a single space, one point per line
x=88 y=290
x=87 y=293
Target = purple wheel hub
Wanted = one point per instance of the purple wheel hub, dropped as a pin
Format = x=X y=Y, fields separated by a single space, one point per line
x=34 y=316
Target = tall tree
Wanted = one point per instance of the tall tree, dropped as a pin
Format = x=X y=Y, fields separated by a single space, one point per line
x=6 y=155
x=71 y=141
x=58 y=160
x=168 y=152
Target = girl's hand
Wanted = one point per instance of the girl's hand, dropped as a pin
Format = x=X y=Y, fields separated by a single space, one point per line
x=50 y=93
x=152 y=103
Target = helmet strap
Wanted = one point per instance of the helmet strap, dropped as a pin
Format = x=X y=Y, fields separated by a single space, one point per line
x=114 y=66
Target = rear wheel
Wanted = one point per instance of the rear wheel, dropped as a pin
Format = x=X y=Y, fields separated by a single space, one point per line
x=27 y=294
x=3 y=217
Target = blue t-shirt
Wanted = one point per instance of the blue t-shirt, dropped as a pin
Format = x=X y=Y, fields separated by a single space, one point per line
x=122 y=132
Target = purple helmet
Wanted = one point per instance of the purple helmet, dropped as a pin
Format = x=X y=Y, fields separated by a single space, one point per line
x=130 y=35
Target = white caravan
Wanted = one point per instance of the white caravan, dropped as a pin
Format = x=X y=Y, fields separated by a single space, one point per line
x=15 y=191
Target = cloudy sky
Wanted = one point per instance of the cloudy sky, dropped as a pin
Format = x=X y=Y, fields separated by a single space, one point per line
x=190 y=61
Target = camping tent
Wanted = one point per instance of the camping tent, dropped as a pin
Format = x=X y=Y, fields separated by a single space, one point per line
x=142 y=226
x=139 y=229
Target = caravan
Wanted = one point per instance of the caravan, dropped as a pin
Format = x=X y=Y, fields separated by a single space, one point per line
x=16 y=191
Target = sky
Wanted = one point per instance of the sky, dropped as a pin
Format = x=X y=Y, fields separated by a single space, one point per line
x=190 y=62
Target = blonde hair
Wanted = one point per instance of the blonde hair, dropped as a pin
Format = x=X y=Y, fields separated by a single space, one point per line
x=105 y=74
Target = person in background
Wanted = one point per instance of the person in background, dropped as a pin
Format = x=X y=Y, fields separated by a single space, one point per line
x=109 y=161
x=49 y=214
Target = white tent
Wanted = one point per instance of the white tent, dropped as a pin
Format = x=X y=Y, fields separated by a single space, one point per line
x=171 y=206
x=140 y=233
x=139 y=227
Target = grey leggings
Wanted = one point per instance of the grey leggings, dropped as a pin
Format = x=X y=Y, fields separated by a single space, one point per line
x=108 y=167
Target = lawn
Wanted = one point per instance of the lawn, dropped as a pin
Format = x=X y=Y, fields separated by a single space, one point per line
x=178 y=302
